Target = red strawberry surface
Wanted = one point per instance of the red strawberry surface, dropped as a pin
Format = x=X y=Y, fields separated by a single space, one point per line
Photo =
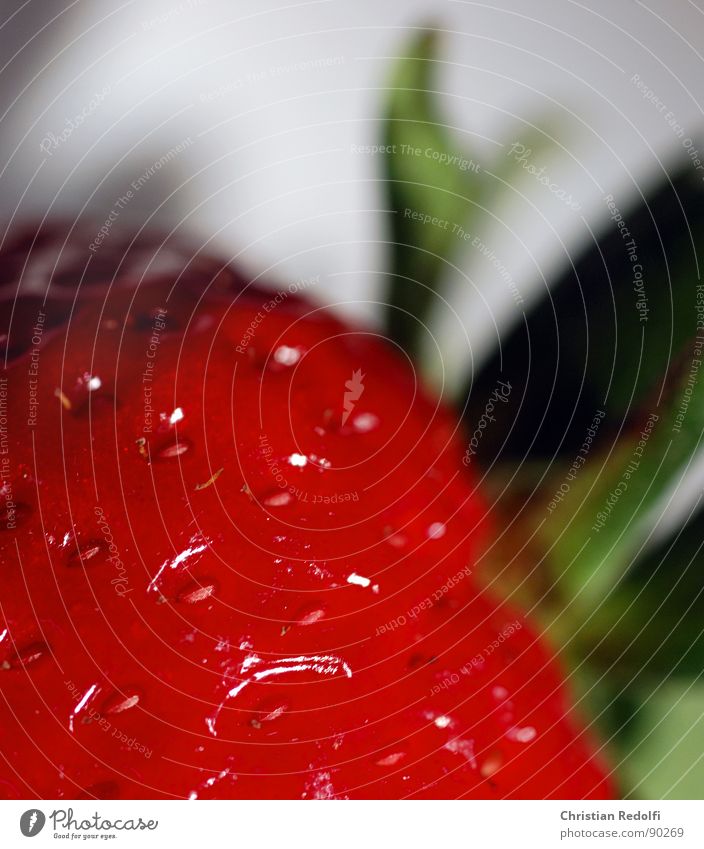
x=237 y=544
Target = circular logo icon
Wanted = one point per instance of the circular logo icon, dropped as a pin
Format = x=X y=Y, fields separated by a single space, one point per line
x=32 y=822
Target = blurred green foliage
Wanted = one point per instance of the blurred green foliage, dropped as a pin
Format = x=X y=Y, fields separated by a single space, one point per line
x=617 y=337
x=428 y=195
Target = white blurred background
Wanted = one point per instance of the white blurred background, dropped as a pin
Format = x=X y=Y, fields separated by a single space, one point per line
x=258 y=107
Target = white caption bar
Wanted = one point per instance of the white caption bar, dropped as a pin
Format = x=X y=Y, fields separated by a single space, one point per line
x=339 y=824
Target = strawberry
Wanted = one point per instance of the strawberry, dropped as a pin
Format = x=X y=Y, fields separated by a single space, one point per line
x=237 y=544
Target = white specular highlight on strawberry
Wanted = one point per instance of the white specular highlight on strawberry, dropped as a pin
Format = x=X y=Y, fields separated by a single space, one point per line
x=326 y=665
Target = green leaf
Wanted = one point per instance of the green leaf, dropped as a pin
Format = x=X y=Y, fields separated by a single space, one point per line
x=437 y=191
x=597 y=531
x=651 y=624
x=538 y=142
x=666 y=760
x=653 y=731
x=430 y=187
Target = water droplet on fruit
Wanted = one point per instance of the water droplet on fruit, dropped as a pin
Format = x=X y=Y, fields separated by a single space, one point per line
x=89 y=553
x=196 y=590
x=394 y=539
x=319 y=786
x=173 y=448
x=309 y=615
x=492 y=764
x=358 y=580
x=522 y=735
x=287 y=356
x=182 y=561
x=321 y=462
x=365 y=422
x=278 y=499
x=436 y=531
x=82 y=702
x=26 y=655
x=209 y=788
x=255 y=670
x=84 y=397
x=120 y=702
x=267 y=711
x=392 y=759
x=458 y=746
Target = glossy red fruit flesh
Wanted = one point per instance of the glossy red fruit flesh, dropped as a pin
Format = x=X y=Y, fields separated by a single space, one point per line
x=237 y=545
